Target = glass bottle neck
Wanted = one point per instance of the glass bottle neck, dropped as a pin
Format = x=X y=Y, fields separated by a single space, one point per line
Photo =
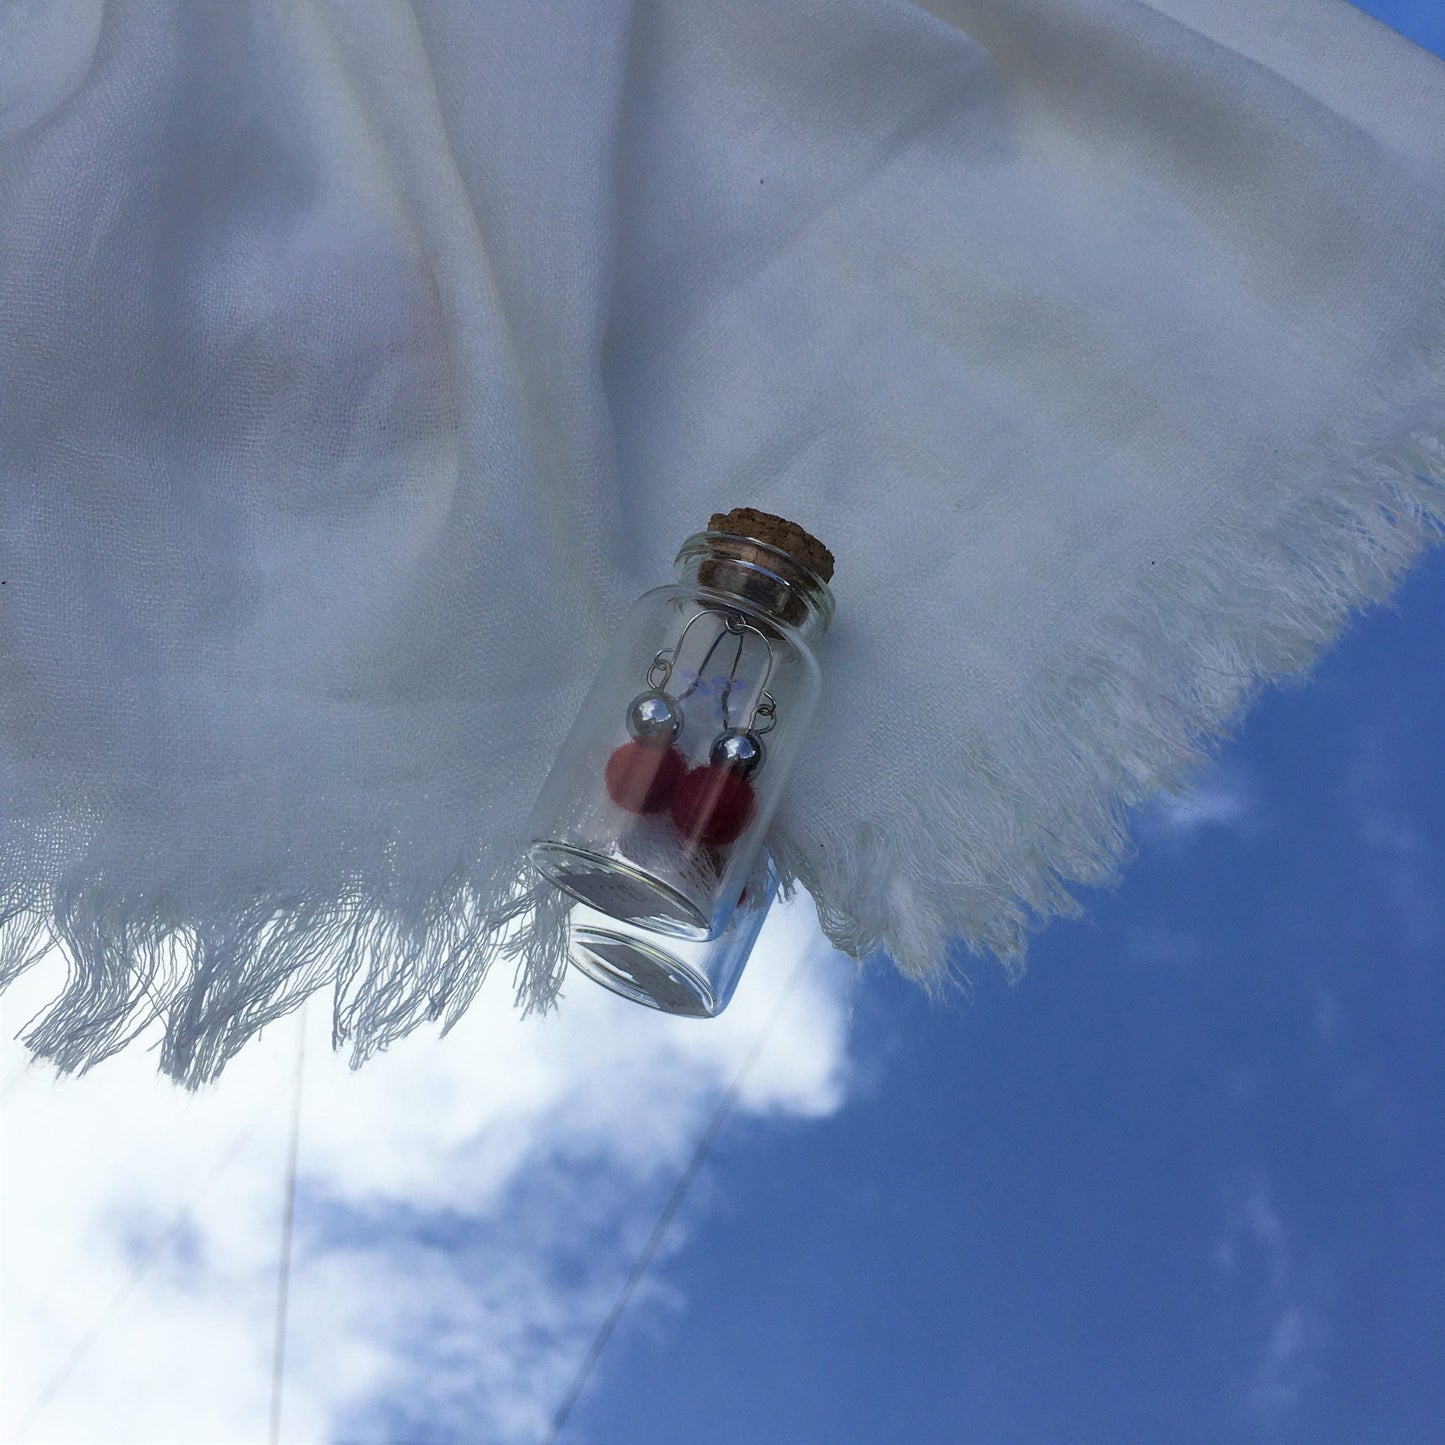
x=765 y=577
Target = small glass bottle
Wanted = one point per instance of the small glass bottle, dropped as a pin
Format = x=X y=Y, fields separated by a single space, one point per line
x=656 y=809
x=675 y=975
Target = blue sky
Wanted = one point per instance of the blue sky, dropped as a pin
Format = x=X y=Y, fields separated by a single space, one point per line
x=1184 y=1182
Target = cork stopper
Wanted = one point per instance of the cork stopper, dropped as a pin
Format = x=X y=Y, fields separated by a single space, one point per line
x=744 y=561
x=777 y=532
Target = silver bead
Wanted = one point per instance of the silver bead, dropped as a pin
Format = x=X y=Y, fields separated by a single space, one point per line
x=738 y=749
x=654 y=717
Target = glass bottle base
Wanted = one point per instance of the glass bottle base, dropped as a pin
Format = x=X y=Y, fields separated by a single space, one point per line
x=619 y=889
x=692 y=977
x=642 y=971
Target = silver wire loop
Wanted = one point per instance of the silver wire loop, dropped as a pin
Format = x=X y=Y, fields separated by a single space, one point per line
x=767 y=707
x=734 y=624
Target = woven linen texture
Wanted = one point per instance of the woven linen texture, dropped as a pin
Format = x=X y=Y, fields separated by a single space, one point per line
x=360 y=361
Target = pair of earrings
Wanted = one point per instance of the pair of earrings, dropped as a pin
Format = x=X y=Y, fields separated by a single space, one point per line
x=712 y=804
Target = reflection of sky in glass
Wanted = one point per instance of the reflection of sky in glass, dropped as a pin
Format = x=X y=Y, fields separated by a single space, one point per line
x=1184 y=1183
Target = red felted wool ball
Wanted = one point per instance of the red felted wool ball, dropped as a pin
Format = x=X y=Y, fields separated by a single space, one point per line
x=713 y=805
x=642 y=777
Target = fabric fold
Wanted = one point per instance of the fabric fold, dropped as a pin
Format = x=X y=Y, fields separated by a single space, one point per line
x=362 y=361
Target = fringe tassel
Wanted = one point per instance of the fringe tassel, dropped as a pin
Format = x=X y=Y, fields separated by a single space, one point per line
x=1138 y=714
x=213 y=988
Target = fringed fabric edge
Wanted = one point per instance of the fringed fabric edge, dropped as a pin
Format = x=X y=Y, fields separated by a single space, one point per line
x=1147 y=705
x=1141 y=712
x=213 y=987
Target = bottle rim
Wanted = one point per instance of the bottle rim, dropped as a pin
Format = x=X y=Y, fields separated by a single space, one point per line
x=794 y=575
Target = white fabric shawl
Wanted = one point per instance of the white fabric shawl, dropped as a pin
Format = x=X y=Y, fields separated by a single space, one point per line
x=360 y=361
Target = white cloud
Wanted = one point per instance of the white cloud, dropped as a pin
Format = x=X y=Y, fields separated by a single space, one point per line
x=1406 y=864
x=1166 y=947
x=1224 y=800
x=1282 y=1327
x=467 y=1210
x=1327 y=1015
x=1288 y=1363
